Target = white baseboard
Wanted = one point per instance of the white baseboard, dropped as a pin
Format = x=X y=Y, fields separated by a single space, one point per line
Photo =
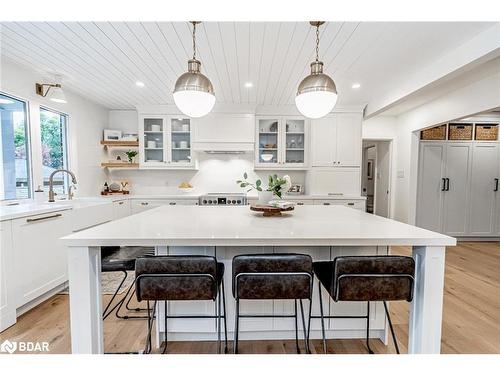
x=35 y=302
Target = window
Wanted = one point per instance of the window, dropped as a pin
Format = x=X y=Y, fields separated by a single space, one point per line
x=54 y=155
x=15 y=176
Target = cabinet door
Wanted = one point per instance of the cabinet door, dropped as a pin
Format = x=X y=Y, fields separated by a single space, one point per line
x=179 y=142
x=40 y=256
x=294 y=142
x=430 y=194
x=268 y=143
x=358 y=204
x=456 y=195
x=348 y=140
x=334 y=181
x=152 y=141
x=7 y=277
x=121 y=209
x=323 y=143
x=482 y=188
x=497 y=196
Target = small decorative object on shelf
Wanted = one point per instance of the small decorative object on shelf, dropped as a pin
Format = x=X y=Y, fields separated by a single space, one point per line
x=125 y=186
x=296 y=189
x=131 y=154
x=112 y=135
x=185 y=187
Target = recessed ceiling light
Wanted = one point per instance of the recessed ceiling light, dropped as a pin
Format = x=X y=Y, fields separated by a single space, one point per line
x=356 y=85
x=139 y=84
x=248 y=85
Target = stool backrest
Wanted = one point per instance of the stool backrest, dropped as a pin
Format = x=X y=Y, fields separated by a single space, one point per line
x=373 y=278
x=272 y=276
x=189 y=277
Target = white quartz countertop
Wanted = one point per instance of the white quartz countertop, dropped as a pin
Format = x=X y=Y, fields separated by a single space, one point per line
x=238 y=226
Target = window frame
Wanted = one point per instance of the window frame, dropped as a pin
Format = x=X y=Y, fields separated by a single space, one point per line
x=29 y=151
x=66 y=158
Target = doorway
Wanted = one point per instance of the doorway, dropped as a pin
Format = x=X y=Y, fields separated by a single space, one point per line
x=376 y=176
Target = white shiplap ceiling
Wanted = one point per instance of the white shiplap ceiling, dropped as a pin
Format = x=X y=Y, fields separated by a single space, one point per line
x=103 y=60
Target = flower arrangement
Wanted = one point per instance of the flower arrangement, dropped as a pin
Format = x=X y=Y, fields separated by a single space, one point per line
x=276 y=185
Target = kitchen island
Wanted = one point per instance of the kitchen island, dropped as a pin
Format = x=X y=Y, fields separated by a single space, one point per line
x=324 y=232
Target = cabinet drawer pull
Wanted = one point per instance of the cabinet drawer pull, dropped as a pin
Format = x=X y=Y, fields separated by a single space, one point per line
x=43 y=218
x=496 y=184
x=300 y=203
x=335 y=193
x=326 y=203
x=121 y=203
x=172 y=203
x=144 y=203
x=350 y=204
x=447 y=184
x=443 y=188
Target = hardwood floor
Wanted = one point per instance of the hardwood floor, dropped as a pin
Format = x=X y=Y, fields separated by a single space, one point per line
x=471 y=317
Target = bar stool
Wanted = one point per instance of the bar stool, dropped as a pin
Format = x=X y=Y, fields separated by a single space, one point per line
x=181 y=278
x=272 y=276
x=122 y=259
x=365 y=278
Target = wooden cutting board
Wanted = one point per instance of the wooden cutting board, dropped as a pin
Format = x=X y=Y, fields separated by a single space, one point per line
x=269 y=211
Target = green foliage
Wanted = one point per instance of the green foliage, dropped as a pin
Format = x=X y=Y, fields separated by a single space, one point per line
x=275 y=184
x=52 y=139
x=244 y=183
x=131 y=154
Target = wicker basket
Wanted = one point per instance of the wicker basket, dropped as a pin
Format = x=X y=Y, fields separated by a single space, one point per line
x=437 y=133
x=487 y=132
x=460 y=132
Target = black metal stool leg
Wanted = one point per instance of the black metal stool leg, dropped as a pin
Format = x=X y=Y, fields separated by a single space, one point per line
x=306 y=343
x=236 y=323
x=391 y=327
x=147 y=348
x=225 y=321
x=219 y=308
x=368 y=328
x=322 y=317
x=106 y=313
x=296 y=326
x=309 y=320
x=166 y=327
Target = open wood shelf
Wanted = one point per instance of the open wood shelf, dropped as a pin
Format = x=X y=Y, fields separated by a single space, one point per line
x=120 y=143
x=120 y=165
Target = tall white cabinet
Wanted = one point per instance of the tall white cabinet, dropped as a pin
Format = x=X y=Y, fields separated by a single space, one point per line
x=457 y=192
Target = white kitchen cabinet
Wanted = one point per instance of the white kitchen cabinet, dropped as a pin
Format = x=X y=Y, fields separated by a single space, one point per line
x=139 y=205
x=89 y=216
x=300 y=202
x=334 y=181
x=456 y=197
x=121 y=209
x=7 y=277
x=337 y=140
x=165 y=142
x=483 y=188
x=40 y=258
x=497 y=197
x=456 y=188
x=281 y=142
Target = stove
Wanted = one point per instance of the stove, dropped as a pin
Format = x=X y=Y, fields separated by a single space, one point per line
x=223 y=199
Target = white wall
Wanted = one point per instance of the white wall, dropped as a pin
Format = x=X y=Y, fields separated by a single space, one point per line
x=86 y=121
x=480 y=96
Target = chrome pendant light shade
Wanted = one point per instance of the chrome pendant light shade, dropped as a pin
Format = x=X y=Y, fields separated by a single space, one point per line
x=194 y=94
x=317 y=93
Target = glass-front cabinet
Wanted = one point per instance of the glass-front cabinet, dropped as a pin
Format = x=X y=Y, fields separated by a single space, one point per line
x=281 y=142
x=165 y=142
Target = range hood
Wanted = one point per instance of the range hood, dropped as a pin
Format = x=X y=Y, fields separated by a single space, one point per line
x=225 y=134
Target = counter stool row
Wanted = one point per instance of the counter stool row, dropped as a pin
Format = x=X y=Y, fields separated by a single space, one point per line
x=271 y=276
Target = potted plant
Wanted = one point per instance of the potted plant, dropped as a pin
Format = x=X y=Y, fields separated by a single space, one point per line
x=277 y=186
x=131 y=154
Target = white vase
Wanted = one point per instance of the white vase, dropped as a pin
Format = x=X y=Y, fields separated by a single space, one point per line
x=265 y=197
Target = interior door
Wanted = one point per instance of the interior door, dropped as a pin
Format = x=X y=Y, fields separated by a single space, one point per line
x=383 y=179
x=497 y=194
x=430 y=194
x=456 y=196
x=484 y=171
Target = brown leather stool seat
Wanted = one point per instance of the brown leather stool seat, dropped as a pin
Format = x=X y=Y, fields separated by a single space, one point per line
x=366 y=278
x=272 y=276
x=181 y=278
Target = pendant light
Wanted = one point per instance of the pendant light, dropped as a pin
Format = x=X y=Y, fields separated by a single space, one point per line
x=316 y=94
x=194 y=93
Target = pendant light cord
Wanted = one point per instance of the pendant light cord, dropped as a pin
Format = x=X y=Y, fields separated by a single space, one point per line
x=194 y=40
x=317 y=43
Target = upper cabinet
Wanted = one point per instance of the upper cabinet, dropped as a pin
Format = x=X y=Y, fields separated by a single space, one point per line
x=281 y=142
x=165 y=142
x=337 y=140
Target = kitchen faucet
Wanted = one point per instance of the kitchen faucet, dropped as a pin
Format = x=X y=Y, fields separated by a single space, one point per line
x=51 y=184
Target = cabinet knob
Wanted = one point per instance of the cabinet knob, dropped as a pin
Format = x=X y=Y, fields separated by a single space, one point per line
x=144 y=203
x=172 y=203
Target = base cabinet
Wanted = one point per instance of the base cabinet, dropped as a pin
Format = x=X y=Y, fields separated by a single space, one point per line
x=140 y=205
x=121 y=209
x=7 y=277
x=40 y=258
